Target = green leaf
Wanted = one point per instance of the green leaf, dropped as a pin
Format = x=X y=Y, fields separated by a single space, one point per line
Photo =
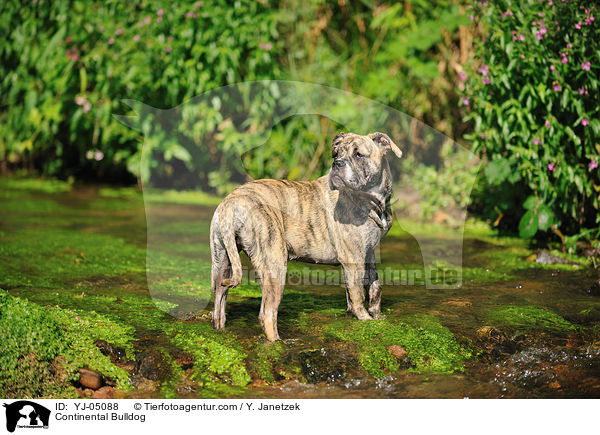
x=545 y=217
x=528 y=225
x=530 y=203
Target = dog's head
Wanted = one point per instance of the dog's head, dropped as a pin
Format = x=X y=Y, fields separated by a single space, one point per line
x=359 y=161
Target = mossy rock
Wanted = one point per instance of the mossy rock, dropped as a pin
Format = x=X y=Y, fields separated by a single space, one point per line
x=43 y=348
x=528 y=317
x=430 y=346
x=217 y=358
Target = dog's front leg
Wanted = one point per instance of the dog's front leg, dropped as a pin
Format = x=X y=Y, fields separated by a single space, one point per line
x=354 y=274
x=373 y=285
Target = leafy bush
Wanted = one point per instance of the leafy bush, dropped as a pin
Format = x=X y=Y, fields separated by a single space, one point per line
x=532 y=95
x=65 y=65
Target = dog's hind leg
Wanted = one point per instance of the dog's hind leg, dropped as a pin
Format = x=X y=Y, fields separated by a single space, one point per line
x=272 y=281
x=221 y=270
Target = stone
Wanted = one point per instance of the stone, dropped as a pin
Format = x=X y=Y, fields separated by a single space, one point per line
x=152 y=365
x=104 y=393
x=90 y=378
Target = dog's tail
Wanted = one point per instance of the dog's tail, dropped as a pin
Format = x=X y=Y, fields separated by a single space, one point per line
x=228 y=234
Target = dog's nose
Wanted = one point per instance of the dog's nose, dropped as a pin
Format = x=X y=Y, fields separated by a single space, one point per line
x=338 y=163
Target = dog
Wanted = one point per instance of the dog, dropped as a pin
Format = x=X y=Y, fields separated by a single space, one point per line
x=337 y=219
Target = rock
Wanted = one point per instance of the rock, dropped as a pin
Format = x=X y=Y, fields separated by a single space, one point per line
x=90 y=378
x=545 y=257
x=115 y=353
x=326 y=365
x=184 y=359
x=152 y=365
x=130 y=366
x=401 y=355
x=397 y=351
x=594 y=289
x=104 y=393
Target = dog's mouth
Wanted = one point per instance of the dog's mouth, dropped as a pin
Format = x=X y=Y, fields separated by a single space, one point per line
x=336 y=181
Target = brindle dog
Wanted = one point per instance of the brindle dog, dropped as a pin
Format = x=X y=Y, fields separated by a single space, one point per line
x=336 y=219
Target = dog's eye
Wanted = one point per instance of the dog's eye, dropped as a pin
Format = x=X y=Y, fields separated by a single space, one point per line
x=358 y=155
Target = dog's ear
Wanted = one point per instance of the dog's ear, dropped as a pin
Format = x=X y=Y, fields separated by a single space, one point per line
x=384 y=141
x=336 y=142
x=338 y=138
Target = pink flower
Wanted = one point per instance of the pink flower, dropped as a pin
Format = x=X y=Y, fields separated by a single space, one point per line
x=547 y=123
x=198 y=5
x=508 y=13
x=136 y=38
x=87 y=106
x=266 y=46
x=168 y=49
x=522 y=57
x=72 y=54
x=557 y=88
x=191 y=15
x=465 y=101
x=470 y=17
x=593 y=164
x=581 y=91
x=98 y=155
x=159 y=20
x=564 y=59
x=551 y=67
x=483 y=69
x=551 y=167
x=585 y=66
x=585 y=122
x=521 y=37
x=536 y=141
x=77 y=318
x=80 y=100
x=160 y=12
x=147 y=20
x=578 y=25
x=485 y=80
x=569 y=45
x=462 y=76
x=119 y=32
x=111 y=41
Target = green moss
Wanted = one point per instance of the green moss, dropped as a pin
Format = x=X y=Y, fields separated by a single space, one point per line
x=45 y=185
x=190 y=197
x=262 y=358
x=430 y=346
x=217 y=359
x=49 y=257
x=44 y=347
x=528 y=317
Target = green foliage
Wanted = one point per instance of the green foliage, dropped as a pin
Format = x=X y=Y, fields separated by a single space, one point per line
x=532 y=96
x=216 y=358
x=430 y=345
x=528 y=317
x=444 y=187
x=64 y=66
x=44 y=347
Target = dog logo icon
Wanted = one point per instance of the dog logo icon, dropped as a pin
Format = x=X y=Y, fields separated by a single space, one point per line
x=26 y=414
